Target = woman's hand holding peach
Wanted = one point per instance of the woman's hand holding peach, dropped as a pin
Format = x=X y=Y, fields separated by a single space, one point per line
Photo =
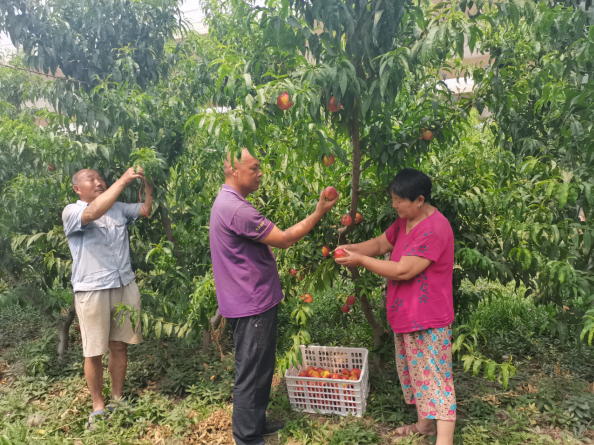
x=351 y=259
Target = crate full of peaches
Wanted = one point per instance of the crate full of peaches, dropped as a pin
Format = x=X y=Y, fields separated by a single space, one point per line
x=333 y=380
x=345 y=374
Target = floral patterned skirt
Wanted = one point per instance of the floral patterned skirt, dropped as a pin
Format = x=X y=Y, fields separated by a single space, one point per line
x=424 y=362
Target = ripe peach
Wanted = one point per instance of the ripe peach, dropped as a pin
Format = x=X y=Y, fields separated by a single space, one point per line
x=325 y=251
x=356 y=371
x=345 y=373
x=283 y=101
x=353 y=377
x=303 y=374
x=320 y=370
x=293 y=272
x=325 y=374
x=346 y=309
x=51 y=167
x=314 y=374
x=310 y=368
x=427 y=135
x=330 y=193
x=332 y=105
x=346 y=220
x=335 y=376
x=358 y=218
x=351 y=300
x=328 y=160
x=339 y=253
x=307 y=298
x=301 y=277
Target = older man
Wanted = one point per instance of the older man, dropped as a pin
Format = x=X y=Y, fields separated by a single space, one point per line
x=102 y=277
x=249 y=290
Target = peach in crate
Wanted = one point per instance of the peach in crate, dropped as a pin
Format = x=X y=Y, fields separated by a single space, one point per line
x=342 y=396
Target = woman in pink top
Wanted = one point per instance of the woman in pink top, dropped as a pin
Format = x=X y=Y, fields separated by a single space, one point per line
x=420 y=300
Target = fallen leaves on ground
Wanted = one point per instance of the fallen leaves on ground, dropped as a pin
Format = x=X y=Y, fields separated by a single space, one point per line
x=157 y=433
x=216 y=429
x=275 y=381
x=82 y=395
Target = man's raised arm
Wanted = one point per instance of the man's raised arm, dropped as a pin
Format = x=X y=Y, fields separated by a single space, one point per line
x=147 y=205
x=105 y=201
x=285 y=239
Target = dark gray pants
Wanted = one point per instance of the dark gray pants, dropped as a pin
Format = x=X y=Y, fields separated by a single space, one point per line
x=255 y=347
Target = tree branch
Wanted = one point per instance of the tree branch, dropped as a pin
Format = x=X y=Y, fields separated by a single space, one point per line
x=169 y=231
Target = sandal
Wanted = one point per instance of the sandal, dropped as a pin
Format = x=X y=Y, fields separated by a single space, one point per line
x=99 y=412
x=407 y=430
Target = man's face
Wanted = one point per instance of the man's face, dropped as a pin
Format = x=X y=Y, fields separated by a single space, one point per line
x=89 y=185
x=247 y=173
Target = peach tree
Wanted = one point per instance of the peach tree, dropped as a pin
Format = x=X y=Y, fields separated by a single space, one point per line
x=532 y=219
x=364 y=84
x=128 y=90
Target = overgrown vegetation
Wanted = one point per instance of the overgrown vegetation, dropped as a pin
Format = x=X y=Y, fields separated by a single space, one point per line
x=174 y=389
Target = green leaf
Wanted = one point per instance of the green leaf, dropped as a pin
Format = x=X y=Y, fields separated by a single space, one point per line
x=556 y=236
x=104 y=151
x=562 y=194
x=490 y=370
x=342 y=80
x=158 y=329
x=250 y=122
x=375 y=32
x=34 y=238
x=294 y=22
x=223 y=71
x=587 y=240
x=577 y=130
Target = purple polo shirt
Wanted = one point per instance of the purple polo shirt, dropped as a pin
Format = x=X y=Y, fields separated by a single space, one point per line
x=245 y=272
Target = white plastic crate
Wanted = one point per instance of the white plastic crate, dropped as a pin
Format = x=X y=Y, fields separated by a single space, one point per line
x=329 y=396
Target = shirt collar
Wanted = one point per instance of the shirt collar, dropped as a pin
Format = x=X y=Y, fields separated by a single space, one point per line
x=228 y=188
x=82 y=203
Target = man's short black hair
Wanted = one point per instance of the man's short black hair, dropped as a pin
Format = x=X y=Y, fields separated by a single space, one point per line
x=410 y=184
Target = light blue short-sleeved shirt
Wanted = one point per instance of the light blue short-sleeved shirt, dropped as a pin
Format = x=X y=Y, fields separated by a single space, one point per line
x=101 y=249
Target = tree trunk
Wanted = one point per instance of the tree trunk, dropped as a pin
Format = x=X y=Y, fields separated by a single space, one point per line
x=378 y=330
x=169 y=231
x=206 y=341
x=64 y=331
x=63 y=325
x=376 y=327
x=207 y=333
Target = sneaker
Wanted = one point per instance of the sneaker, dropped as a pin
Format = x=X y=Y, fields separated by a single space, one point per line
x=272 y=427
x=92 y=416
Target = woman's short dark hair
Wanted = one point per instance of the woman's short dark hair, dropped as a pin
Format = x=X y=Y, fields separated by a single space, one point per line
x=410 y=184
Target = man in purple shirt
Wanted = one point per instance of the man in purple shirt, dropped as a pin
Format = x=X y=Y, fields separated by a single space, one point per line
x=249 y=290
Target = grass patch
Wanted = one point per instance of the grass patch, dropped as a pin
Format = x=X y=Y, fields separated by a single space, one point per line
x=178 y=395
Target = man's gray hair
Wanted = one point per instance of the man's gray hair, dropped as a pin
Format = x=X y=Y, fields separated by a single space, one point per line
x=74 y=180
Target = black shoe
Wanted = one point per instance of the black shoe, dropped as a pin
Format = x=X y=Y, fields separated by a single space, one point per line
x=272 y=427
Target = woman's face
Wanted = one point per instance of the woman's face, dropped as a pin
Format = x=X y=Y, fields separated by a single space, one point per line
x=405 y=207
